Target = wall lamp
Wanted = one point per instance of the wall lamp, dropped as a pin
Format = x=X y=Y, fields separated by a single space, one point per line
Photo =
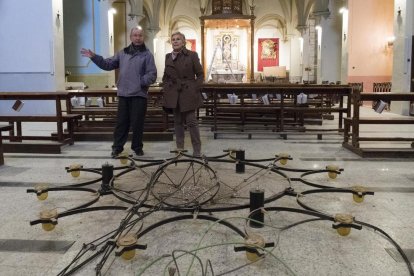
x=343 y=10
x=390 y=41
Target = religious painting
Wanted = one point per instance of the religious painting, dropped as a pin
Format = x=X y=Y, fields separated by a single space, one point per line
x=268 y=52
x=228 y=44
x=268 y=49
x=190 y=44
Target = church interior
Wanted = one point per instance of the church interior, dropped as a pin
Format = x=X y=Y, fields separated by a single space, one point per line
x=306 y=128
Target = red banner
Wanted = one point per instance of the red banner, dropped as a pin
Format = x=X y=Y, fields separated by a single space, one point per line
x=190 y=44
x=268 y=52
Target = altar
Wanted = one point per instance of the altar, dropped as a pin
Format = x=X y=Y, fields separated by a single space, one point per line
x=227 y=43
x=223 y=76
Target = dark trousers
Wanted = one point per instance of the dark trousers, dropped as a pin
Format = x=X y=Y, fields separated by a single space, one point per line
x=189 y=118
x=131 y=114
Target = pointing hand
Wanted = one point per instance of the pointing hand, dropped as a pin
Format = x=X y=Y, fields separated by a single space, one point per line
x=87 y=53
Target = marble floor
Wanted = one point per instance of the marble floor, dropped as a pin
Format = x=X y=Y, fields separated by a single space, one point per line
x=202 y=241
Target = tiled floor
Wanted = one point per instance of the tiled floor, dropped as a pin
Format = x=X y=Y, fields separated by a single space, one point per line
x=302 y=245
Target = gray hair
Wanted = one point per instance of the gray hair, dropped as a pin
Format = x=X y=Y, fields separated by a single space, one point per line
x=178 y=33
x=137 y=28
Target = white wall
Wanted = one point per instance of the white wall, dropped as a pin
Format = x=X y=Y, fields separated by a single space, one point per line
x=31 y=51
x=30 y=45
x=296 y=59
x=370 y=24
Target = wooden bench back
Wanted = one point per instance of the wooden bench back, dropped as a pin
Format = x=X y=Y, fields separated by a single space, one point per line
x=357 y=86
x=382 y=87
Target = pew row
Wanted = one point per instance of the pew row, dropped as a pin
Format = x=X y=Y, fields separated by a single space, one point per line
x=353 y=136
x=99 y=119
x=273 y=108
x=22 y=143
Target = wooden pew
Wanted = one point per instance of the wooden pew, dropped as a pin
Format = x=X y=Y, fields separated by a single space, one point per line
x=357 y=86
x=21 y=142
x=382 y=87
x=3 y=128
x=353 y=137
x=98 y=122
x=281 y=115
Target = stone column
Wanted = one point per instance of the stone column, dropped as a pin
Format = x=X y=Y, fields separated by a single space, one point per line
x=252 y=47
x=150 y=35
x=328 y=42
x=402 y=48
x=344 y=42
x=137 y=10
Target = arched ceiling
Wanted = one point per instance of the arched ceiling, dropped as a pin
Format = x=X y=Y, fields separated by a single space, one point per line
x=293 y=13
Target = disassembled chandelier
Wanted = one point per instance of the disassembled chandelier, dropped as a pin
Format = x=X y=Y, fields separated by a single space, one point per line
x=194 y=189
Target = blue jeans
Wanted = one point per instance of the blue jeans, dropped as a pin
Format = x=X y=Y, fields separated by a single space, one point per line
x=131 y=115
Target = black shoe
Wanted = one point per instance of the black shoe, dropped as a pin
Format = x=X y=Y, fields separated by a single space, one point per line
x=115 y=153
x=138 y=153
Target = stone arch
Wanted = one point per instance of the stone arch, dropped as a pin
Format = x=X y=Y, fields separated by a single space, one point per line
x=265 y=21
x=186 y=20
x=147 y=10
x=133 y=5
x=304 y=10
x=169 y=9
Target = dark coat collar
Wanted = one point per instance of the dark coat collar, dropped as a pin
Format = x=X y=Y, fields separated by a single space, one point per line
x=184 y=51
x=129 y=50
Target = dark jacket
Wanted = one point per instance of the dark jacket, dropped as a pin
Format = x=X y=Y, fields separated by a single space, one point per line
x=137 y=71
x=182 y=81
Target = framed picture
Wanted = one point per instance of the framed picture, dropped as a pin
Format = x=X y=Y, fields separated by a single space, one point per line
x=268 y=52
x=229 y=46
x=190 y=44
